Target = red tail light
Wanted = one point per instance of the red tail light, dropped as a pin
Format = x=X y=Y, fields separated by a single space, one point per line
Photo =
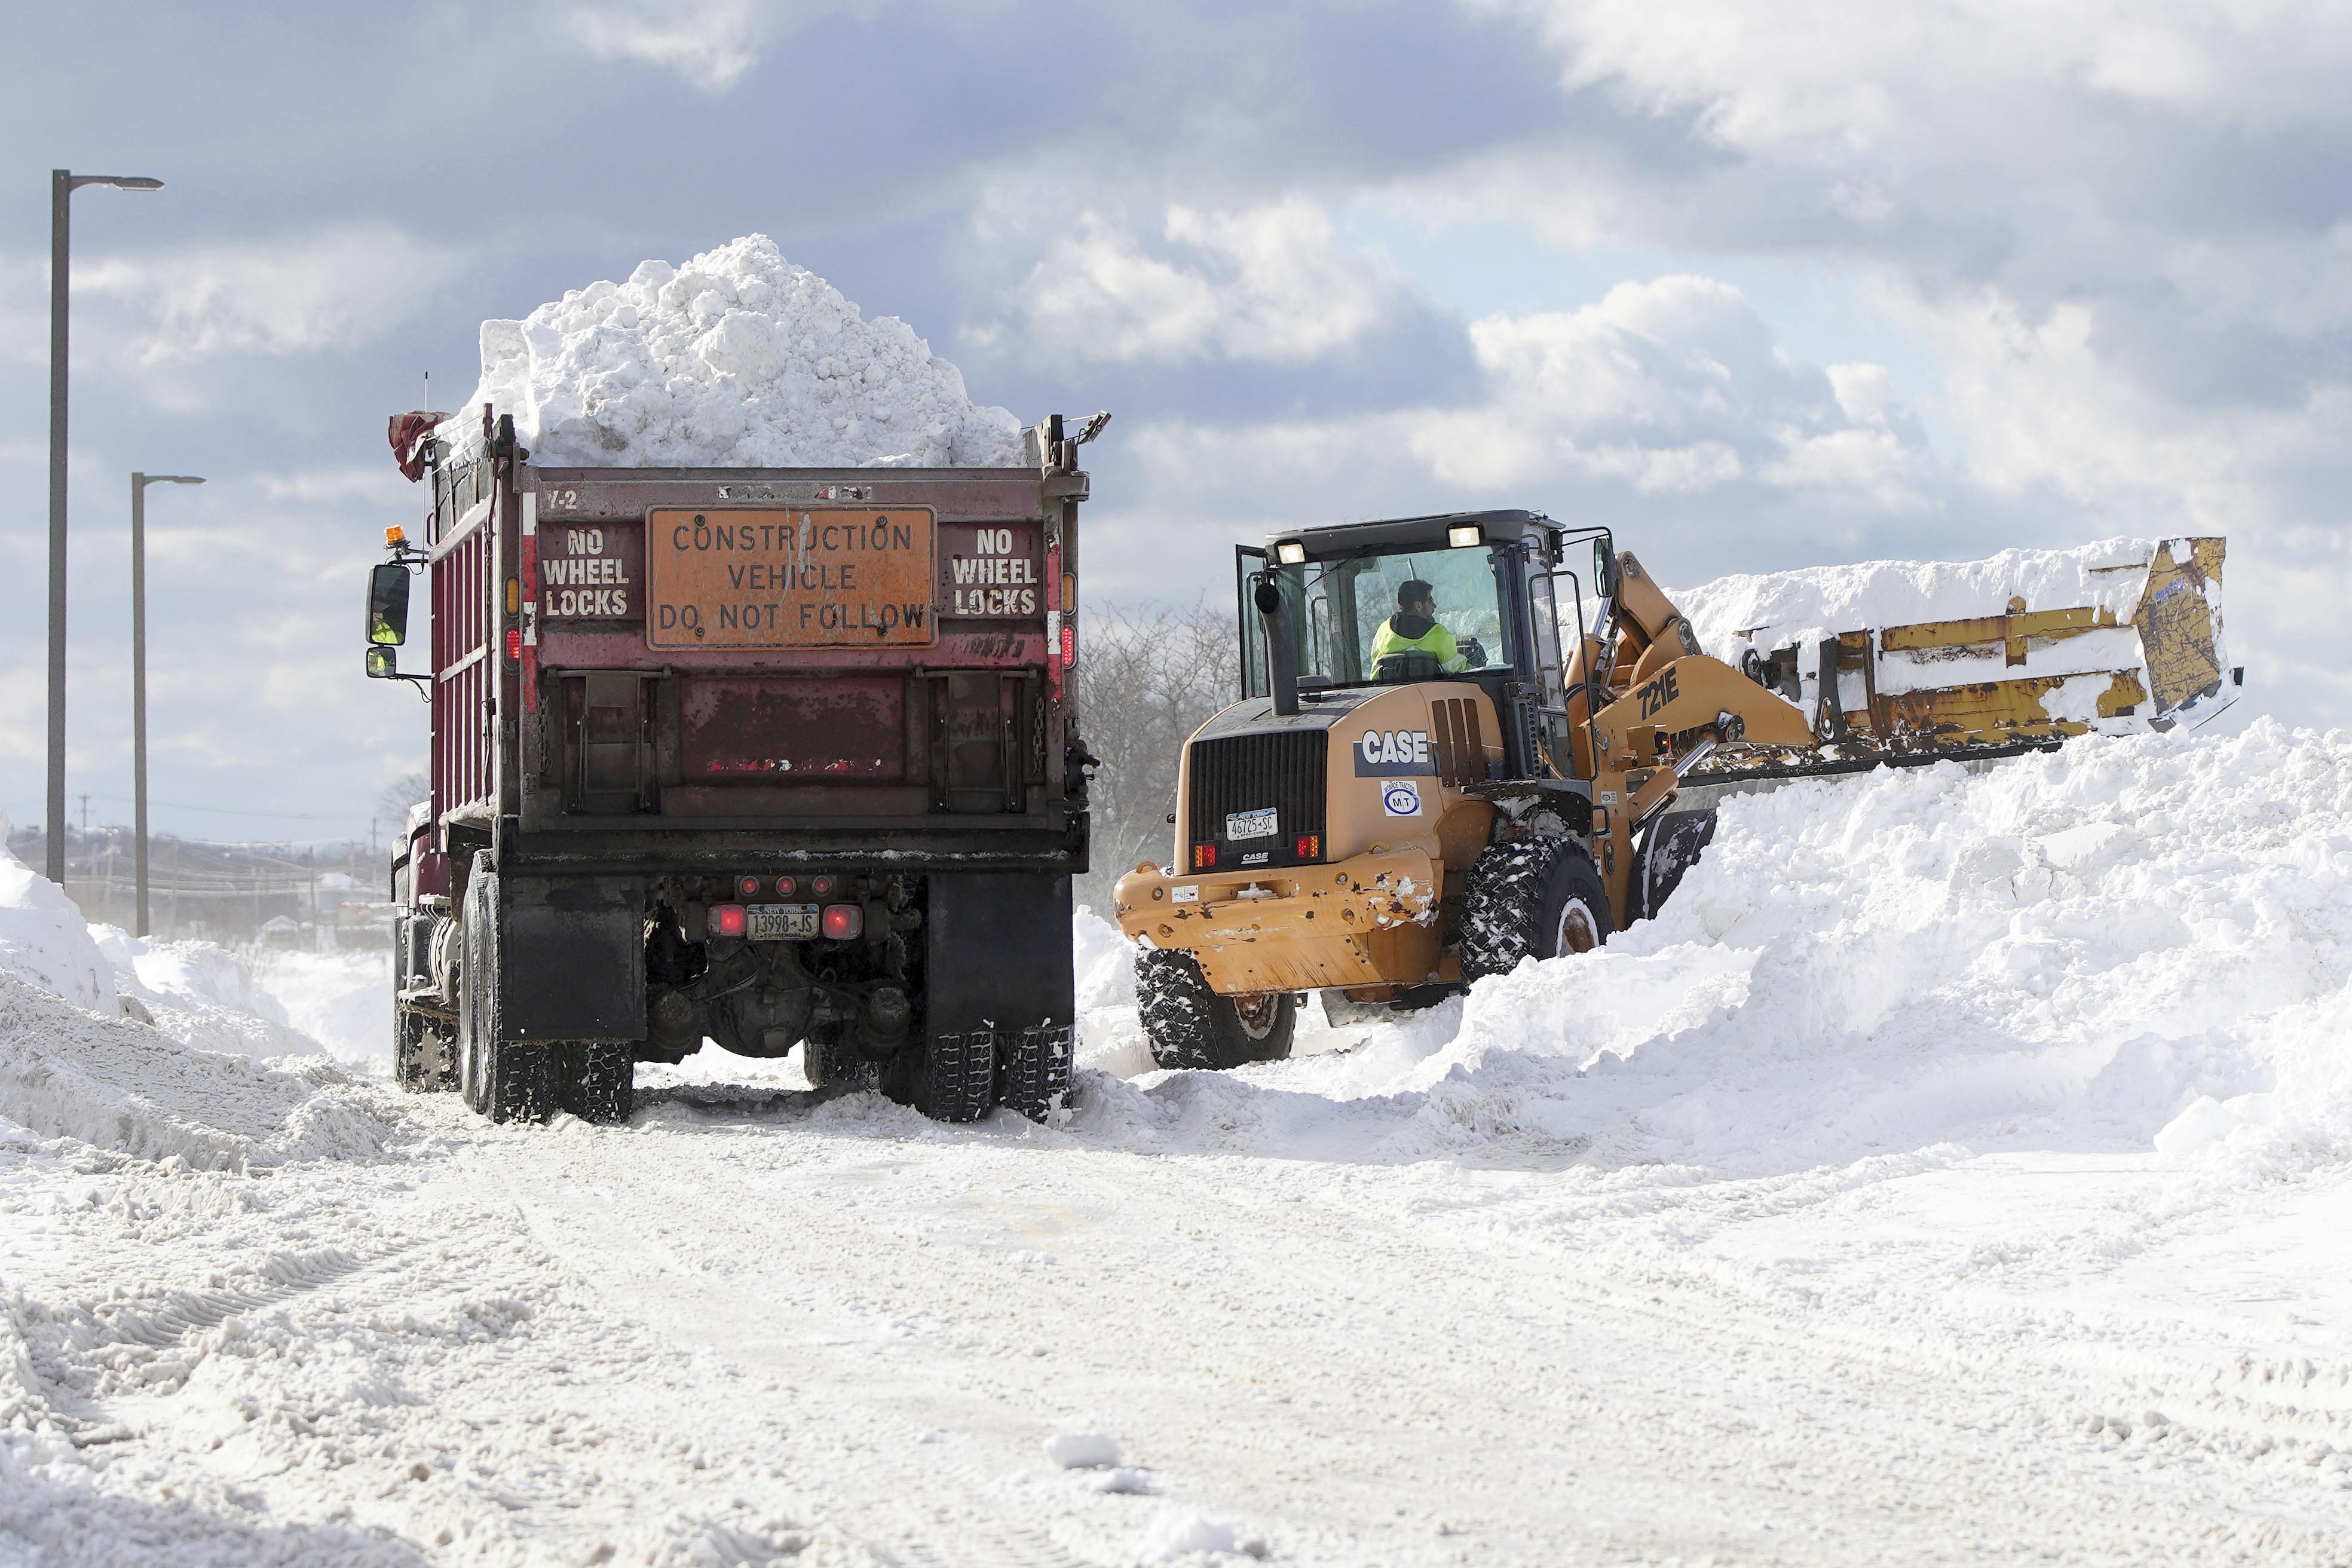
x=1310 y=847
x=514 y=643
x=1204 y=857
x=1069 y=645
x=747 y=886
x=842 y=921
x=820 y=886
x=727 y=919
x=784 y=887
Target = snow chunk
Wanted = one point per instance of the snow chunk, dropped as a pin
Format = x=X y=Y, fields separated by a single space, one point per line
x=1177 y=1533
x=738 y=359
x=1081 y=1450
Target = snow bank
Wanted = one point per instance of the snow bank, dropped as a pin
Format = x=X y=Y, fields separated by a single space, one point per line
x=2131 y=944
x=1111 y=1040
x=342 y=1000
x=2074 y=950
x=201 y=996
x=44 y=941
x=738 y=359
x=121 y=1085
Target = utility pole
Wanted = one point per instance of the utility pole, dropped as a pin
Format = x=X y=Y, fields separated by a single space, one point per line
x=63 y=183
x=139 y=483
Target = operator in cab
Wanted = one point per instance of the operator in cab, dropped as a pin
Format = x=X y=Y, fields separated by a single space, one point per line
x=1415 y=629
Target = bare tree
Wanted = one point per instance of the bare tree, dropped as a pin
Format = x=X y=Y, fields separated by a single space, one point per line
x=1148 y=676
x=392 y=802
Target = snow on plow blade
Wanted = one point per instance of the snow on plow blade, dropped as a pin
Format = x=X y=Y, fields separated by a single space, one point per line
x=1908 y=661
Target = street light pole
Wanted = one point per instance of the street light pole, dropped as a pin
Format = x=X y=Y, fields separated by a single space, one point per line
x=139 y=483
x=63 y=184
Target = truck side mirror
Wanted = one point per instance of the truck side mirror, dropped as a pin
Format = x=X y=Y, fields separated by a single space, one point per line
x=383 y=665
x=387 y=618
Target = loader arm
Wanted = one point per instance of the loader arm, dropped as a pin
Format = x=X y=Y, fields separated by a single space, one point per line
x=1643 y=741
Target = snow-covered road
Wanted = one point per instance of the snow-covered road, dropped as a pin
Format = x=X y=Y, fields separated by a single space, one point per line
x=757 y=1324
x=1953 y=1176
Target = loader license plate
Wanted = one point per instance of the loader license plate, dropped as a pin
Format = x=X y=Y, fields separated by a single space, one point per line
x=1251 y=825
x=779 y=922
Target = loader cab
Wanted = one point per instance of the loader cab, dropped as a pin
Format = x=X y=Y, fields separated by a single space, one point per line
x=1517 y=585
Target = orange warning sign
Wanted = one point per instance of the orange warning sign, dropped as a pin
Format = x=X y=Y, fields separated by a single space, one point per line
x=817 y=577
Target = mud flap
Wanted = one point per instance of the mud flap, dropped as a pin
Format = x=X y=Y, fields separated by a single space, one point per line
x=572 y=959
x=998 y=989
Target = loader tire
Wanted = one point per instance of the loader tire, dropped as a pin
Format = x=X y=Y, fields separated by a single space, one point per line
x=1531 y=897
x=1190 y=1025
x=598 y=1081
x=502 y=1080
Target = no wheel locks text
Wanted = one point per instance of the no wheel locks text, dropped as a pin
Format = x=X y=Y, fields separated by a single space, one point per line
x=843 y=576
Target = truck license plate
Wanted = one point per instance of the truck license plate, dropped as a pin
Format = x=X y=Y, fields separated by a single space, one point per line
x=1250 y=825
x=779 y=922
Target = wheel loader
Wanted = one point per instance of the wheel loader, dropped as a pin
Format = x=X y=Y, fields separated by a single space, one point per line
x=1385 y=825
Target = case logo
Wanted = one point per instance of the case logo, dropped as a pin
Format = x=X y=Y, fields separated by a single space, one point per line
x=1380 y=751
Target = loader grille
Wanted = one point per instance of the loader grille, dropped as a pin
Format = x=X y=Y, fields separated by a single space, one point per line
x=1235 y=775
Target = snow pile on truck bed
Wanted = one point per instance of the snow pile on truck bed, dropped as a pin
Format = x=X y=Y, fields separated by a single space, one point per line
x=2130 y=944
x=738 y=359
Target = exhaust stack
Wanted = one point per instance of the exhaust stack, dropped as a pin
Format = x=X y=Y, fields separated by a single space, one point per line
x=1281 y=656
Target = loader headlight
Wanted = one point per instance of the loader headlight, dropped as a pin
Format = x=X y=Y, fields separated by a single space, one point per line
x=1464 y=536
x=1290 y=553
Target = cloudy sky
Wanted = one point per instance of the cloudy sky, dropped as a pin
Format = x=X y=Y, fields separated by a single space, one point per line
x=1758 y=286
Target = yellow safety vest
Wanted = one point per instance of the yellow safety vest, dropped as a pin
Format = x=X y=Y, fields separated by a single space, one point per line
x=1436 y=640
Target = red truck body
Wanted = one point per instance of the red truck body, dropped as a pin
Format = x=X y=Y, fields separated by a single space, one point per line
x=668 y=700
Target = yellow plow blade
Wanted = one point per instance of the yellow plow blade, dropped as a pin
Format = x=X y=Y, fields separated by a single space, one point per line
x=2111 y=639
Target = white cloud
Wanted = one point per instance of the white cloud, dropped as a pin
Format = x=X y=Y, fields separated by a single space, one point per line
x=709 y=43
x=1885 y=84
x=1273 y=283
x=1665 y=406
x=1672 y=387
x=339 y=288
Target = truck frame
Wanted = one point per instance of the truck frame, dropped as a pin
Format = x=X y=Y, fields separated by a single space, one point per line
x=779 y=758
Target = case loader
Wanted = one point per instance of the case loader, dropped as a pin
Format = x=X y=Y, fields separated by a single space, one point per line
x=1384 y=832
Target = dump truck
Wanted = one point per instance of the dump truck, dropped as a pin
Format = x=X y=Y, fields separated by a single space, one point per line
x=778 y=759
x=1392 y=812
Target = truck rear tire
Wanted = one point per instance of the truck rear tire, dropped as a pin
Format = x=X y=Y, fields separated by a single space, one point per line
x=423 y=1058
x=1190 y=1025
x=1033 y=1074
x=599 y=1081
x=504 y=1080
x=1531 y=897
x=950 y=1077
